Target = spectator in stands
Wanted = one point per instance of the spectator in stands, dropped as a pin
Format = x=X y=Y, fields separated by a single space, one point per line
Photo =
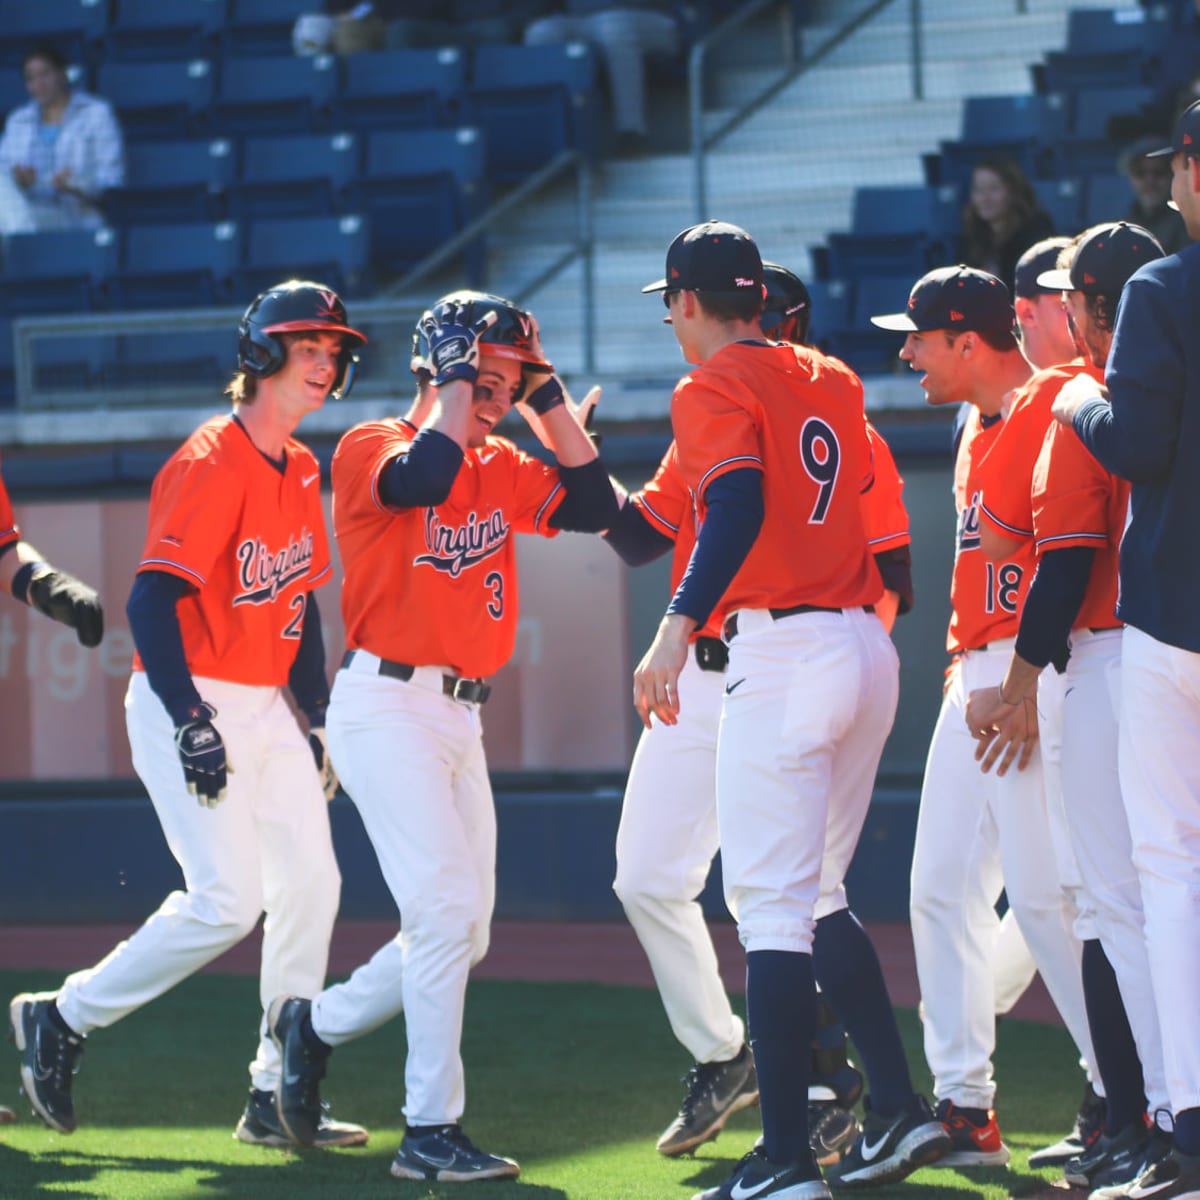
x=63 y=148
x=1001 y=218
x=625 y=34
x=1150 y=179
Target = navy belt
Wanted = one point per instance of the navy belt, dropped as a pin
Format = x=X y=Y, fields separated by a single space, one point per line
x=711 y=654
x=470 y=691
x=731 y=626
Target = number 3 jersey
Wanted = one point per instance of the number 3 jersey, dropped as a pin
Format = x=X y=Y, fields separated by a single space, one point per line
x=251 y=541
x=436 y=585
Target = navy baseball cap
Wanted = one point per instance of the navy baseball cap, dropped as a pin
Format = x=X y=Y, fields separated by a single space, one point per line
x=1187 y=134
x=712 y=257
x=958 y=298
x=1104 y=260
x=1036 y=261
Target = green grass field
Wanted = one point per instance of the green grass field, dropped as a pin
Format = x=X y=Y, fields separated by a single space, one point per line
x=574 y=1081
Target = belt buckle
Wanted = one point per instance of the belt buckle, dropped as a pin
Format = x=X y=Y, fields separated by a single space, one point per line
x=471 y=691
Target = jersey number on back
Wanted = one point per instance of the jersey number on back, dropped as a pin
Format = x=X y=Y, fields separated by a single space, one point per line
x=821 y=456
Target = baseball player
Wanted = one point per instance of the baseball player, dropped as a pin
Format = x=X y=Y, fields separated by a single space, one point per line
x=1146 y=434
x=35 y=582
x=772 y=445
x=223 y=615
x=668 y=832
x=425 y=513
x=1054 y=493
x=975 y=833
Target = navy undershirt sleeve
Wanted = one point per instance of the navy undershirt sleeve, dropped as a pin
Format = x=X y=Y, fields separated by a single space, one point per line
x=635 y=539
x=590 y=504
x=1052 y=603
x=307 y=676
x=895 y=566
x=424 y=474
x=735 y=515
x=154 y=624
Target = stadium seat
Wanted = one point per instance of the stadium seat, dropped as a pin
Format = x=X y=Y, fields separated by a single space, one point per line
x=1127 y=30
x=956 y=161
x=997 y=120
x=1108 y=199
x=419 y=188
x=1062 y=200
x=72 y=25
x=298 y=176
x=151 y=30
x=902 y=208
x=399 y=89
x=1066 y=72
x=332 y=250
x=531 y=103
x=830 y=308
x=172 y=182
x=868 y=350
x=157 y=99
x=60 y=271
x=267 y=95
x=177 y=266
x=855 y=256
x=259 y=27
x=1096 y=108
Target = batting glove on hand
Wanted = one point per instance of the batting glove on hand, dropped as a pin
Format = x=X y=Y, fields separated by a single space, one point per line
x=203 y=756
x=320 y=753
x=62 y=597
x=454 y=346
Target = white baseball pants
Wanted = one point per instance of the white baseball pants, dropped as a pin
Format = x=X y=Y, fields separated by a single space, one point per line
x=665 y=846
x=412 y=761
x=266 y=846
x=1160 y=781
x=809 y=702
x=977 y=833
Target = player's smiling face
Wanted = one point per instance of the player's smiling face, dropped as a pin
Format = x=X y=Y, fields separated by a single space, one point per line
x=939 y=360
x=310 y=369
x=497 y=386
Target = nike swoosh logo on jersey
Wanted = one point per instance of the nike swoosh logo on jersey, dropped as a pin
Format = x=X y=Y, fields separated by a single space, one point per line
x=309 y=478
x=870 y=1152
x=486 y=458
x=730 y=688
x=740 y=1192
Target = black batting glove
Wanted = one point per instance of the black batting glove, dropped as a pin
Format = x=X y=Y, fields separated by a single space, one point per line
x=62 y=597
x=320 y=753
x=202 y=754
x=454 y=345
x=546 y=396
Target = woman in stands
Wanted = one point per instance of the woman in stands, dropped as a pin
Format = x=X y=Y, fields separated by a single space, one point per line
x=1001 y=218
x=59 y=152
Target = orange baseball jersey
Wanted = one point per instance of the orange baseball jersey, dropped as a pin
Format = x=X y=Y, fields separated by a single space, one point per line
x=9 y=533
x=436 y=585
x=797 y=416
x=884 y=514
x=249 y=539
x=1005 y=475
x=985 y=596
x=1076 y=502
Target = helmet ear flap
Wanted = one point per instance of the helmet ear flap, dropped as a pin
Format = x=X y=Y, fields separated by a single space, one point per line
x=259 y=354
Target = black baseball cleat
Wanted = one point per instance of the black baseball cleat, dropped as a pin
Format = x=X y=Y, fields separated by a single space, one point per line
x=1089 y=1127
x=1120 y=1171
x=1174 y=1177
x=831 y=1132
x=301 y=1069
x=1109 y=1160
x=715 y=1091
x=447 y=1155
x=259 y=1126
x=49 y=1058
x=888 y=1150
x=757 y=1176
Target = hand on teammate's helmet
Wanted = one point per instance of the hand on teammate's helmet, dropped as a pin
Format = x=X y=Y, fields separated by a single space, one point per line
x=546 y=396
x=454 y=345
x=202 y=754
x=62 y=597
x=320 y=753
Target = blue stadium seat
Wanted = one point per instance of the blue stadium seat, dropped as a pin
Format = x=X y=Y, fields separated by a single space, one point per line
x=1062 y=199
x=157 y=99
x=172 y=182
x=956 y=161
x=532 y=103
x=72 y=25
x=855 y=256
x=399 y=89
x=1108 y=199
x=868 y=350
x=259 y=27
x=1128 y=30
x=274 y=95
x=996 y=120
x=177 y=266
x=1063 y=71
x=62 y=271
x=420 y=187
x=1095 y=108
x=306 y=175
x=332 y=250
x=151 y=30
x=898 y=209
x=830 y=308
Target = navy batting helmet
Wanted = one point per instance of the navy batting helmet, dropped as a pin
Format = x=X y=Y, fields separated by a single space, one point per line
x=511 y=336
x=787 y=310
x=294 y=307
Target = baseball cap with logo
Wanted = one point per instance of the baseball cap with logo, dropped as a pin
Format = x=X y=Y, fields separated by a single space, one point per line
x=1187 y=134
x=1104 y=260
x=958 y=298
x=1037 y=260
x=712 y=257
